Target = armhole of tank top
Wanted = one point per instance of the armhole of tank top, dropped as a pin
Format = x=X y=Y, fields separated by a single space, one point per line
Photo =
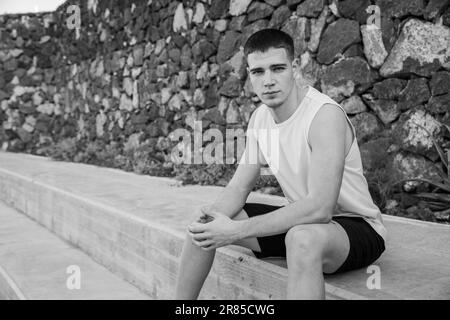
x=351 y=125
x=346 y=117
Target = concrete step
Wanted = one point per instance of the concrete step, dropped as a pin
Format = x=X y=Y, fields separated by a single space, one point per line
x=134 y=225
x=37 y=264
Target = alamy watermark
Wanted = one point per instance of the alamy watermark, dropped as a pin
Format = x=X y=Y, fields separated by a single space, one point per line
x=374 y=280
x=259 y=142
x=74 y=20
x=73 y=281
x=375 y=16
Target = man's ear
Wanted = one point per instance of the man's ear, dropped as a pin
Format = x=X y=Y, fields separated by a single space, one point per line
x=296 y=63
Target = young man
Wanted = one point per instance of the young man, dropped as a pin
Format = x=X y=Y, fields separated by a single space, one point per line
x=330 y=225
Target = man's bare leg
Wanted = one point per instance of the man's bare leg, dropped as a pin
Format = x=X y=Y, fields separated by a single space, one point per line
x=310 y=250
x=196 y=263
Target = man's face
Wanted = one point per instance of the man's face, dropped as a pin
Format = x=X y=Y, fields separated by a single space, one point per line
x=272 y=75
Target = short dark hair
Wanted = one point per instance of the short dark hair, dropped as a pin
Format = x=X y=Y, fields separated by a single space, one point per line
x=263 y=40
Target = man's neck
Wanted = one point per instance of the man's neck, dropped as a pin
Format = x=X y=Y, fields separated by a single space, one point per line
x=287 y=109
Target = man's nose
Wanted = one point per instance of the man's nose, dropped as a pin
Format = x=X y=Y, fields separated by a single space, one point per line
x=268 y=79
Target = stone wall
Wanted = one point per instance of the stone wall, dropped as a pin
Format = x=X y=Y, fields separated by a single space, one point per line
x=135 y=71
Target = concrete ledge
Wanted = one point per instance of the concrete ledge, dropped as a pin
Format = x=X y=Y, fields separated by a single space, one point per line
x=134 y=225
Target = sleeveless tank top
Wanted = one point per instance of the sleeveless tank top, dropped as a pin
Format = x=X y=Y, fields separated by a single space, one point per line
x=285 y=148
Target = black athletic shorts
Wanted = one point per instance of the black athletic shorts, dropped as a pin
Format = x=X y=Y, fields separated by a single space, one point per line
x=366 y=245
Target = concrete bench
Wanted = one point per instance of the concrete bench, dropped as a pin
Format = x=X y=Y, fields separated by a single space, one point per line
x=134 y=226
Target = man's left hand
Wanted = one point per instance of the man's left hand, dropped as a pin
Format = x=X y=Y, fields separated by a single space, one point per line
x=219 y=232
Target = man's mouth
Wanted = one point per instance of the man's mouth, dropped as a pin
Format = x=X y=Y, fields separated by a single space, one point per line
x=270 y=92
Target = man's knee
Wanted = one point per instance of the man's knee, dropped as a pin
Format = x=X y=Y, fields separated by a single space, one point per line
x=305 y=244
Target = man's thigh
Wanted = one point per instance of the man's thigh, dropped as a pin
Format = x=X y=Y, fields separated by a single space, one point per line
x=335 y=248
x=338 y=247
x=250 y=243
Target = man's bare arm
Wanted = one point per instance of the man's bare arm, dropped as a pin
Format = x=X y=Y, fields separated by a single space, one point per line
x=324 y=181
x=233 y=197
x=235 y=194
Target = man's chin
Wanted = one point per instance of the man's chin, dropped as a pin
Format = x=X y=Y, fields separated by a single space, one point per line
x=272 y=103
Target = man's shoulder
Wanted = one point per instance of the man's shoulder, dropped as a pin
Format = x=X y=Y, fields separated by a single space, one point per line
x=320 y=97
x=330 y=112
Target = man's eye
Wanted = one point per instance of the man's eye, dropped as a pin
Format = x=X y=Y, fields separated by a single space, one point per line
x=278 y=68
x=257 y=72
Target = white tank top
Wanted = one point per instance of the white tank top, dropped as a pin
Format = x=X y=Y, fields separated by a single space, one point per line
x=289 y=160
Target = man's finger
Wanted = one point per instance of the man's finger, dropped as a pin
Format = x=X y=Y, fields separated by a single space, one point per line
x=197 y=227
x=200 y=236
x=206 y=245
x=202 y=244
x=210 y=247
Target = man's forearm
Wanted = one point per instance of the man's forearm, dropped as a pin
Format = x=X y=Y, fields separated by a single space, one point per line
x=304 y=211
x=231 y=200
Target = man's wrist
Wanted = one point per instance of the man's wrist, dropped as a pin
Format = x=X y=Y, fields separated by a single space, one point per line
x=241 y=227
